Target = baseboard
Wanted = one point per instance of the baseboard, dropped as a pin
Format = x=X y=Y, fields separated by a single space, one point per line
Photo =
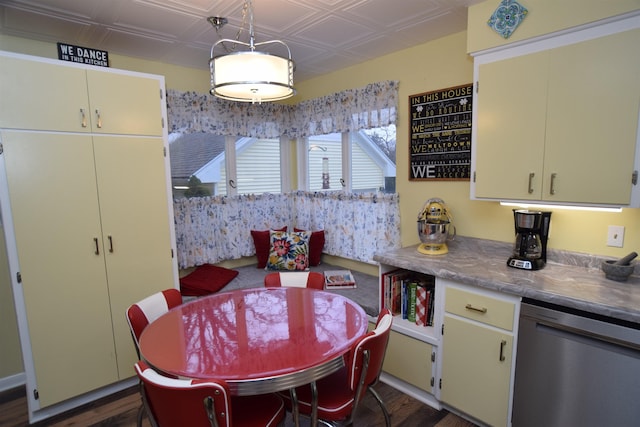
x=13 y=381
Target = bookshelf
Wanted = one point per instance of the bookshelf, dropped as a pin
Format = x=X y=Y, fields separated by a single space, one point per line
x=412 y=360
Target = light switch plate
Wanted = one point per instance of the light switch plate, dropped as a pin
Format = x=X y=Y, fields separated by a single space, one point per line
x=615 y=236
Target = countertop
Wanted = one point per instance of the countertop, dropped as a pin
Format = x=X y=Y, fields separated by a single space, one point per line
x=569 y=279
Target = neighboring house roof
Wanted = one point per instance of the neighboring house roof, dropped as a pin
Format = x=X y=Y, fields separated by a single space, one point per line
x=191 y=152
x=379 y=156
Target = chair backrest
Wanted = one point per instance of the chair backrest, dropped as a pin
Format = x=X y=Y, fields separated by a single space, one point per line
x=299 y=279
x=368 y=355
x=175 y=402
x=140 y=314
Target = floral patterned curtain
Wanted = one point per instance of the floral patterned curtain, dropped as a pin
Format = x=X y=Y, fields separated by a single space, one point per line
x=356 y=225
x=374 y=105
x=212 y=229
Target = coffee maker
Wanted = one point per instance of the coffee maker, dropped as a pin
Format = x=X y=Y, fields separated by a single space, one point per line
x=532 y=233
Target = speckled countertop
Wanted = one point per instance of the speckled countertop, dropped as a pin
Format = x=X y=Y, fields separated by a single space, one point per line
x=569 y=279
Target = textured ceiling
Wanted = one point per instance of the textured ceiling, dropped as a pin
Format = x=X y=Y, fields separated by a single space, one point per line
x=323 y=35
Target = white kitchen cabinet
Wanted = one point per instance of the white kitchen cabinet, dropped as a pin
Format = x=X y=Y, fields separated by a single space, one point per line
x=90 y=231
x=559 y=124
x=55 y=221
x=411 y=360
x=478 y=355
x=72 y=98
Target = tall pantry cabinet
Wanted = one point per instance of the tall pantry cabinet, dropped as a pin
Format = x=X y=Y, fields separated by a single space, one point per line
x=85 y=199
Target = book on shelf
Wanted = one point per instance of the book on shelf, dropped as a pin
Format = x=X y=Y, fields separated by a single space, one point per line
x=422 y=304
x=409 y=295
x=339 y=279
x=411 y=301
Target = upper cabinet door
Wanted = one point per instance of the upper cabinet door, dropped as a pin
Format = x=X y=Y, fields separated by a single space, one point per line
x=510 y=119
x=560 y=125
x=124 y=104
x=43 y=96
x=592 y=120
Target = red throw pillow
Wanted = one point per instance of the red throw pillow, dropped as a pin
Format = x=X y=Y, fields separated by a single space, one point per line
x=316 y=245
x=206 y=279
x=263 y=245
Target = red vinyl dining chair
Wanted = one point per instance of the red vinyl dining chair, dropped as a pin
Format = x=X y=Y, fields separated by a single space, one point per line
x=140 y=314
x=340 y=393
x=173 y=402
x=299 y=279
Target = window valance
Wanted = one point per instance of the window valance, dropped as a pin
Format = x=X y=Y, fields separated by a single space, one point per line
x=374 y=105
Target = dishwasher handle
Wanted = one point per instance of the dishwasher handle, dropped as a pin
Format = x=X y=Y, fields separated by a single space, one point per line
x=587 y=337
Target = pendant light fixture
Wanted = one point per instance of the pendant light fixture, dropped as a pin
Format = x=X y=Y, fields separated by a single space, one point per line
x=249 y=75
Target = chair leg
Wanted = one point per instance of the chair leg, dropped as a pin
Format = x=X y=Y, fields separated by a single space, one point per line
x=387 y=418
x=141 y=412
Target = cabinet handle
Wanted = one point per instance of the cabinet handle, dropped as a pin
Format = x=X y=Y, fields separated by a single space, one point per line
x=552 y=189
x=99 y=117
x=84 y=118
x=502 y=344
x=479 y=310
x=531 y=176
x=110 y=244
x=95 y=240
x=232 y=183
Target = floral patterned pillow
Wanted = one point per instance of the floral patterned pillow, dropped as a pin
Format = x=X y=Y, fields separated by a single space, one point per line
x=289 y=250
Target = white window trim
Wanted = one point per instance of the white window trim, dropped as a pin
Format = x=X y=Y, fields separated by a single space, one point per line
x=285 y=165
x=230 y=165
x=346 y=180
x=302 y=155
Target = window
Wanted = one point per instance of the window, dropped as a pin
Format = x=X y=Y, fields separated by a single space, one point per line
x=361 y=161
x=257 y=167
x=210 y=165
x=325 y=162
x=384 y=154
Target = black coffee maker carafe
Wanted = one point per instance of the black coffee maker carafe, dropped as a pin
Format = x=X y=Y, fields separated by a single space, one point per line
x=532 y=233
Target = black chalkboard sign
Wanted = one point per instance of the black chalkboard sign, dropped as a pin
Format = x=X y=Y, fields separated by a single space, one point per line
x=83 y=55
x=440 y=134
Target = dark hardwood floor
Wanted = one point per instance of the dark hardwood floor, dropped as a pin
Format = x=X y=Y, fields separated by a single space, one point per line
x=120 y=410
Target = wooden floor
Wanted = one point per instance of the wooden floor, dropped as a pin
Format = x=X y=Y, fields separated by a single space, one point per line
x=120 y=409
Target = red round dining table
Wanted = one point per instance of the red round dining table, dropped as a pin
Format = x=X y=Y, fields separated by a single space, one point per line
x=258 y=340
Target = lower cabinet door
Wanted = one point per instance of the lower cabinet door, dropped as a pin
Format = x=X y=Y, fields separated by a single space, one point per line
x=409 y=359
x=476 y=370
x=137 y=234
x=54 y=204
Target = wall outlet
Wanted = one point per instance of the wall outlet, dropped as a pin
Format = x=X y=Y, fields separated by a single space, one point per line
x=615 y=236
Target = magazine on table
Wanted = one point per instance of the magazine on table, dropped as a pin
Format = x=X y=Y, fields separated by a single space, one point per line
x=339 y=279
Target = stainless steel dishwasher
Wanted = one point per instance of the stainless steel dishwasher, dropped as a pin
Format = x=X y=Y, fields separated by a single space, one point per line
x=575 y=369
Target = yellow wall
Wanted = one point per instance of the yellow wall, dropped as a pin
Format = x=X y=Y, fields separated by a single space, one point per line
x=440 y=64
x=179 y=78
x=543 y=17
x=435 y=65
